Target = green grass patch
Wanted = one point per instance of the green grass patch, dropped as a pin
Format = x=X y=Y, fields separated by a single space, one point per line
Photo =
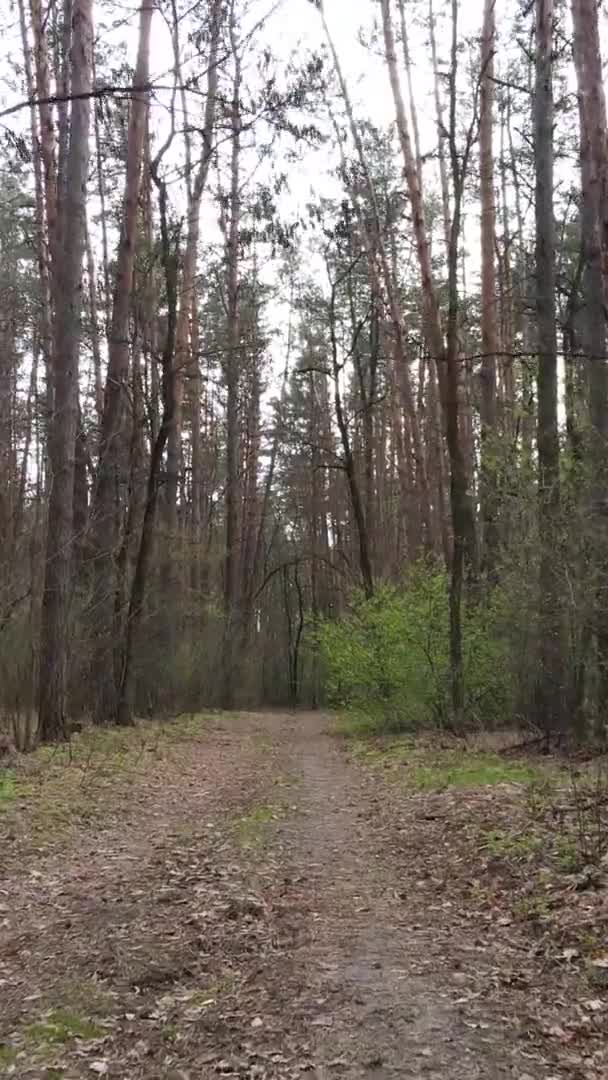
x=394 y=752
x=8 y=789
x=252 y=828
x=533 y=908
x=214 y=988
x=425 y=767
x=61 y=1026
x=8 y=1056
x=361 y=724
x=59 y=786
x=568 y=854
x=459 y=769
x=509 y=845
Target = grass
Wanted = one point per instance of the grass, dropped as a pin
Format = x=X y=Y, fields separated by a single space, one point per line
x=61 y=1026
x=79 y=1017
x=509 y=845
x=252 y=827
x=427 y=767
x=213 y=989
x=568 y=854
x=461 y=769
x=8 y=789
x=534 y=908
x=56 y=787
x=8 y=1056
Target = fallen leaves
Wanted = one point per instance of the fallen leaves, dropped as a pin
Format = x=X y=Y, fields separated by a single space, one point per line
x=371 y=927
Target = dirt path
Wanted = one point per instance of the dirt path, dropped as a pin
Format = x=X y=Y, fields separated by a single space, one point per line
x=261 y=910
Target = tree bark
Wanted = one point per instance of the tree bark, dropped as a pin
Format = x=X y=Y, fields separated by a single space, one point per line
x=127 y=683
x=446 y=354
x=489 y=313
x=55 y=631
x=113 y=446
x=183 y=357
x=231 y=368
x=549 y=686
x=594 y=217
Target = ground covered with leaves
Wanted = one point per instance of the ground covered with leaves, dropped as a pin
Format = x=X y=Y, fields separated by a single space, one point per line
x=255 y=896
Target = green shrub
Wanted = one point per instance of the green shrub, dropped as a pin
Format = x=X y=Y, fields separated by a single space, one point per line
x=387 y=661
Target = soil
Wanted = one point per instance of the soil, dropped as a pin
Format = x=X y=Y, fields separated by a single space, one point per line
x=261 y=904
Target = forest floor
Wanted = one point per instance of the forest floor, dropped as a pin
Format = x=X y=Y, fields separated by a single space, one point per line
x=251 y=895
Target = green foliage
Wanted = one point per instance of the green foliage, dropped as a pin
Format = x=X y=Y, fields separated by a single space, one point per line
x=387 y=661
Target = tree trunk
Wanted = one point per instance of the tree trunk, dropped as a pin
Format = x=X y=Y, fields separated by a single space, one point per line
x=125 y=699
x=356 y=501
x=445 y=354
x=439 y=121
x=60 y=534
x=489 y=314
x=113 y=447
x=233 y=479
x=183 y=356
x=373 y=243
x=594 y=215
x=432 y=315
x=549 y=686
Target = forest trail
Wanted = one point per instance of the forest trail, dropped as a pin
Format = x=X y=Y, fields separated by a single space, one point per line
x=255 y=906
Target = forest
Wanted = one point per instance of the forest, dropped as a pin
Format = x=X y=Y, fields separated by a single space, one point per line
x=304 y=386
x=303 y=540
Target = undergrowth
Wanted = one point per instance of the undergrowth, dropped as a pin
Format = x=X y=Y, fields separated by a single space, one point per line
x=387 y=660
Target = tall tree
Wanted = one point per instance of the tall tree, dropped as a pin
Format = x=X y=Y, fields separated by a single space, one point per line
x=489 y=313
x=185 y=361
x=108 y=498
x=231 y=370
x=549 y=684
x=594 y=228
x=56 y=605
x=445 y=351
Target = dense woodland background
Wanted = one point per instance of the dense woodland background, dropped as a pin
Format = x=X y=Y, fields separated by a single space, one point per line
x=297 y=406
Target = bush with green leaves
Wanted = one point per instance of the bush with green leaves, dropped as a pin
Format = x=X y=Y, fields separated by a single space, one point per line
x=387 y=660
